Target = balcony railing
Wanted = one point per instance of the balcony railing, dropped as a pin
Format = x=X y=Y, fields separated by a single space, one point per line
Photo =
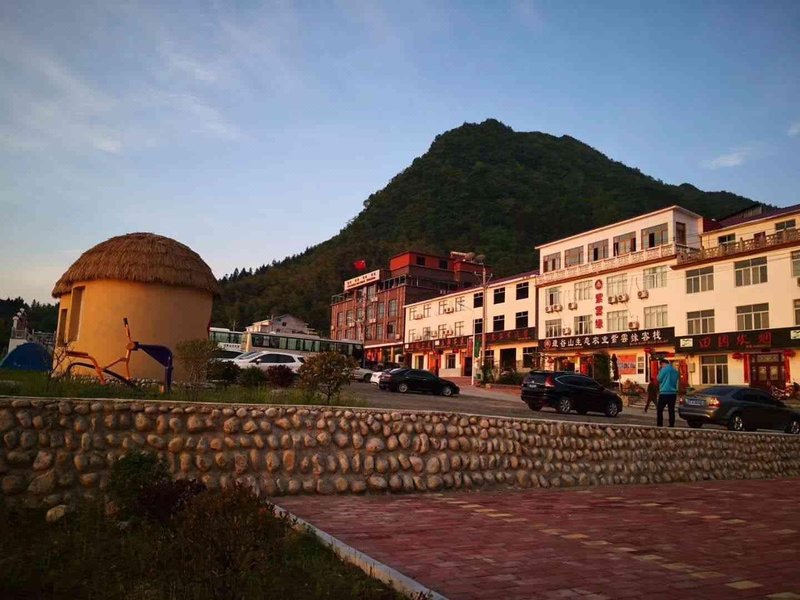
x=741 y=247
x=616 y=262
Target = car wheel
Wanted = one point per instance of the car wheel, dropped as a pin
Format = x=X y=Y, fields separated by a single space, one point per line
x=366 y=378
x=794 y=427
x=564 y=405
x=694 y=423
x=736 y=423
x=612 y=408
x=402 y=388
x=447 y=391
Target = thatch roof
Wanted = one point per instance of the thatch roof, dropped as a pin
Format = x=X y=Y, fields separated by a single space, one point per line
x=140 y=257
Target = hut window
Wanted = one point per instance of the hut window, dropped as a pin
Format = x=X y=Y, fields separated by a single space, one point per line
x=62 y=327
x=75 y=317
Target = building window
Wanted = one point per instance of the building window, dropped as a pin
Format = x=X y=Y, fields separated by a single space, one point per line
x=371 y=312
x=381 y=310
x=340 y=319
x=727 y=239
x=714 y=369
x=522 y=319
x=583 y=325
x=499 y=295
x=390 y=329
x=797 y=312
x=655 y=316
x=655 y=236
x=796 y=264
x=499 y=323
x=75 y=313
x=752 y=316
x=750 y=272
x=699 y=280
x=460 y=303
x=784 y=225
x=655 y=277
x=522 y=290
x=350 y=317
x=624 y=244
x=426 y=333
x=699 y=322
x=458 y=328
x=552 y=328
x=573 y=257
x=551 y=262
x=426 y=310
x=442 y=264
x=617 y=284
x=488 y=357
x=369 y=333
x=528 y=357
x=640 y=365
x=477 y=326
x=477 y=299
x=618 y=320
x=360 y=314
x=379 y=331
x=583 y=290
x=553 y=296
x=450 y=361
x=392 y=308
x=441 y=331
x=421 y=261
x=598 y=250
x=680 y=233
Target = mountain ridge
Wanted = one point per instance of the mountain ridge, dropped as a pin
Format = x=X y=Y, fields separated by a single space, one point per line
x=480 y=187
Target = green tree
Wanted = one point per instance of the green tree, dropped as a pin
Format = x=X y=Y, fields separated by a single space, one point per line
x=194 y=356
x=326 y=374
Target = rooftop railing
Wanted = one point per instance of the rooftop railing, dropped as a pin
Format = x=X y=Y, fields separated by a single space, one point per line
x=741 y=247
x=615 y=262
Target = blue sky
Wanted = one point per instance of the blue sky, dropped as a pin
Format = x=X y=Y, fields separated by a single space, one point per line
x=251 y=130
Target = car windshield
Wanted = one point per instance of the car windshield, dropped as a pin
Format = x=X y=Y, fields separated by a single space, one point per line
x=717 y=390
x=245 y=355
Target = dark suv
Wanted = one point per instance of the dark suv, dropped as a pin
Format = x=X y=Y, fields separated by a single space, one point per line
x=566 y=391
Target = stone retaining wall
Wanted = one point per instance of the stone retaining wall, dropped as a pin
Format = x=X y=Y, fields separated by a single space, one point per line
x=55 y=450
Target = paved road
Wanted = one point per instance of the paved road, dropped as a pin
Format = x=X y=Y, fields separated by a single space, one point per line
x=491 y=402
x=720 y=540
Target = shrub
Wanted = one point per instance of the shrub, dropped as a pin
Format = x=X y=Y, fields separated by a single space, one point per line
x=326 y=373
x=511 y=378
x=279 y=376
x=130 y=476
x=252 y=377
x=223 y=370
x=194 y=356
x=602 y=368
x=164 y=499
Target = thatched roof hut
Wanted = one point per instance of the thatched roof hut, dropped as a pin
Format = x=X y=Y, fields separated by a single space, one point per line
x=142 y=258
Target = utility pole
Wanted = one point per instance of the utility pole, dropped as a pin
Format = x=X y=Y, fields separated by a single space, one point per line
x=481 y=260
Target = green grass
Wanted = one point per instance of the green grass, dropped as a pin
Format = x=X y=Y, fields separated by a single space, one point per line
x=221 y=549
x=29 y=383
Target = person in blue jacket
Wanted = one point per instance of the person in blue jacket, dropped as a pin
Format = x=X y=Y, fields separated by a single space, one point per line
x=667 y=391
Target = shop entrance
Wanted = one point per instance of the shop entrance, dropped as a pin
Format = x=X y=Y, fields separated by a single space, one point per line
x=508 y=359
x=467 y=366
x=767 y=370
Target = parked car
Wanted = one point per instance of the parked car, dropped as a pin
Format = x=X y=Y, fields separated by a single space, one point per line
x=567 y=391
x=376 y=376
x=361 y=374
x=266 y=359
x=739 y=408
x=416 y=380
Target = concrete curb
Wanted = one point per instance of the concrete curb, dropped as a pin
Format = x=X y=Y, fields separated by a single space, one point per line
x=384 y=573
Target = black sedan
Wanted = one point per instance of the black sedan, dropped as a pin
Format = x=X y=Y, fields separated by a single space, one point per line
x=739 y=408
x=416 y=380
x=567 y=391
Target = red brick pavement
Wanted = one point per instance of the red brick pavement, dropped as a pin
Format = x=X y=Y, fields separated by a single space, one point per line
x=724 y=539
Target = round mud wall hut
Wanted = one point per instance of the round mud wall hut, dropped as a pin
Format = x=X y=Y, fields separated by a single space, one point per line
x=161 y=286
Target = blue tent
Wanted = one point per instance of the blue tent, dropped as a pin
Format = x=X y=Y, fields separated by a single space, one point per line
x=28 y=357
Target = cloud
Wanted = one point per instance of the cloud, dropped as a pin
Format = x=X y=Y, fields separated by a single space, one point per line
x=734 y=158
x=794 y=129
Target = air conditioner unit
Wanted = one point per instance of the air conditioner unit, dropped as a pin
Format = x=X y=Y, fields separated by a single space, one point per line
x=448 y=310
x=548 y=309
x=633 y=324
x=434 y=334
x=645 y=294
x=397 y=336
x=449 y=332
x=573 y=305
x=566 y=331
x=612 y=299
x=557 y=307
x=623 y=298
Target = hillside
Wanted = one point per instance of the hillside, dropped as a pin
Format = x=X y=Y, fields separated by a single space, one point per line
x=482 y=188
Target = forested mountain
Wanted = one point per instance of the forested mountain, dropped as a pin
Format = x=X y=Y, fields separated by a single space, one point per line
x=482 y=188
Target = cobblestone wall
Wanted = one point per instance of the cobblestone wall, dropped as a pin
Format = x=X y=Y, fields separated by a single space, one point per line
x=55 y=450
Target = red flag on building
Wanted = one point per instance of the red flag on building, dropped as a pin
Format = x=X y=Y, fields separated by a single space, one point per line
x=360 y=265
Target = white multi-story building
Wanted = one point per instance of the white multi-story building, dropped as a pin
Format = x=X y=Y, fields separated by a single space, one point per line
x=736 y=308
x=441 y=333
x=611 y=290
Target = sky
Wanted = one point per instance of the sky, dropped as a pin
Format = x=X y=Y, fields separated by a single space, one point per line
x=252 y=130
